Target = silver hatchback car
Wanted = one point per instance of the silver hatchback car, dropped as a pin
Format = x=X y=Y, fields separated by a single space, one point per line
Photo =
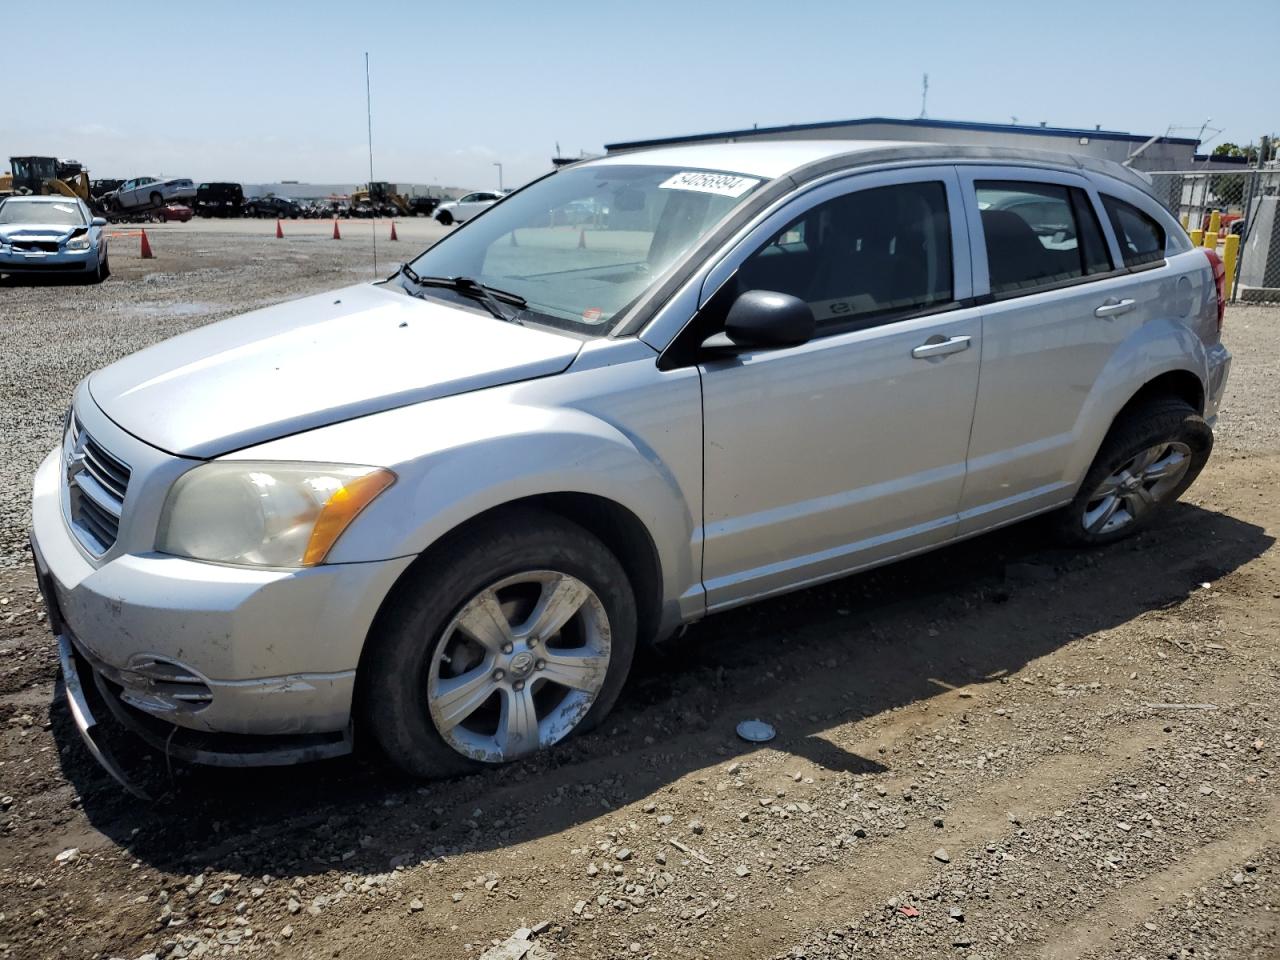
x=443 y=509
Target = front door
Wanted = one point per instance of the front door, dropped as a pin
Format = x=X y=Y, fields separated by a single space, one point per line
x=849 y=449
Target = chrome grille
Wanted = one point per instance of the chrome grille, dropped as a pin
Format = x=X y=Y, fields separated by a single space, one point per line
x=96 y=486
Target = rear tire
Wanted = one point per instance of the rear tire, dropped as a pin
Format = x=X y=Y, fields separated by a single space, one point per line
x=1150 y=457
x=424 y=639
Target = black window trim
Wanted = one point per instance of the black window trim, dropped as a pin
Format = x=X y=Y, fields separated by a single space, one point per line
x=684 y=350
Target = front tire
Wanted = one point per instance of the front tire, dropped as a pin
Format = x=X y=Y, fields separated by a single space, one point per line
x=103 y=271
x=508 y=637
x=1152 y=454
x=445 y=219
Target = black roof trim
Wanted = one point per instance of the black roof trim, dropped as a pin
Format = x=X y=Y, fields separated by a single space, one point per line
x=895 y=121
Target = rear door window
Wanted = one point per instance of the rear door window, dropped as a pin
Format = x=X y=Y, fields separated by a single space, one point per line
x=1141 y=238
x=1038 y=235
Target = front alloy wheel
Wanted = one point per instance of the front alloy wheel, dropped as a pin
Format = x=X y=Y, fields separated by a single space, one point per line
x=519 y=666
x=512 y=633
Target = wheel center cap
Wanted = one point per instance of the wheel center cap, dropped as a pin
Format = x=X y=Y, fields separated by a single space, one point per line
x=521 y=664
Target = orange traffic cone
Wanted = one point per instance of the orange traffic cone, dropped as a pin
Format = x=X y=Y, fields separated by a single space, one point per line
x=393 y=231
x=279 y=230
x=146 y=248
x=336 y=234
x=582 y=239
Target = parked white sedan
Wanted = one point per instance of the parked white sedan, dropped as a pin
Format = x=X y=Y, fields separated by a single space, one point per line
x=459 y=211
x=143 y=192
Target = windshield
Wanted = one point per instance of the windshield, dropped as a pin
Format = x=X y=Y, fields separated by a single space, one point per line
x=580 y=246
x=16 y=210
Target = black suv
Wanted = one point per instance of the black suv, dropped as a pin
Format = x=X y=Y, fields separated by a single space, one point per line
x=219 y=200
x=273 y=207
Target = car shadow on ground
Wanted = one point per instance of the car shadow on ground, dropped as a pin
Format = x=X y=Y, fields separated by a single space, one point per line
x=972 y=613
x=44 y=279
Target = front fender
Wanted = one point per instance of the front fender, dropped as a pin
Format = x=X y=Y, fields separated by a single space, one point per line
x=1157 y=347
x=457 y=457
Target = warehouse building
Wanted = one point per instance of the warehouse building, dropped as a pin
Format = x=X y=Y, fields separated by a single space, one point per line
x=1145 y=151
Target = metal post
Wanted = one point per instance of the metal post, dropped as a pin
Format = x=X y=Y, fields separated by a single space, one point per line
x=368 y=103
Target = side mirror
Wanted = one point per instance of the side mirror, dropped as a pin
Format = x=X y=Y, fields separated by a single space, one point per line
x=98 y=222
x=764 y=318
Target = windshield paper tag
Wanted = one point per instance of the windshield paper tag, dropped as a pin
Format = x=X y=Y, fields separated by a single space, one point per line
x=721 y=184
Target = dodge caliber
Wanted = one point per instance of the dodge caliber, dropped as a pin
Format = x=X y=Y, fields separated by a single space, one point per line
x=438 y=513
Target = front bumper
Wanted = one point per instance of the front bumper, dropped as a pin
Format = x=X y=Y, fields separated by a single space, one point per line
x=200 y=647
x=61 y=261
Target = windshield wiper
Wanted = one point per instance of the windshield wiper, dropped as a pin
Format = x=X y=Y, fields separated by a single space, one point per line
x=491 y=297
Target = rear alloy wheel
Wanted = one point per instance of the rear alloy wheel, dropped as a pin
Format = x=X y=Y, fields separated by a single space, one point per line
x=507 y=637
x=1150 y=457
x=1136 y=488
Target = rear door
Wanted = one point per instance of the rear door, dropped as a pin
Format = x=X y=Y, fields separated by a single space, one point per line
x=849 y=449
x=1056 y=305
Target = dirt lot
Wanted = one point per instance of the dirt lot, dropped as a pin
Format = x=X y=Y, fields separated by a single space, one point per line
x=1001 y=750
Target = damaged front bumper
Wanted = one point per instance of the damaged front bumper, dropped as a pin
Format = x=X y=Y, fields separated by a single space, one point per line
x=94 y=693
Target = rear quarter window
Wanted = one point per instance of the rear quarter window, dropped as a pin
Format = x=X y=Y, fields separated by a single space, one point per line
x=1141 y=237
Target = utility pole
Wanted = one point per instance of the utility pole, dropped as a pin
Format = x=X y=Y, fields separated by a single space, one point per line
x=499 y=166
x=368 y=107
x=924 y=97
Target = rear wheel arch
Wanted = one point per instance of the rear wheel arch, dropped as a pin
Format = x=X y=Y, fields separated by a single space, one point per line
x=1180 y=384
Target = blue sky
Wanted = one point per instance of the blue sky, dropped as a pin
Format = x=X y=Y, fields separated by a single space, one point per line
x=275 y=90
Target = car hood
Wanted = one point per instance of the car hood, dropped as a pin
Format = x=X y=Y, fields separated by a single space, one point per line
x=38 y=231
x=313 y=362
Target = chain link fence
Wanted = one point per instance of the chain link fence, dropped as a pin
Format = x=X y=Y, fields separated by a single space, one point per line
x=1246 y=201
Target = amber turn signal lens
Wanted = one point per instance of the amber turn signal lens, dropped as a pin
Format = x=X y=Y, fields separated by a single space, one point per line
x=341 y=508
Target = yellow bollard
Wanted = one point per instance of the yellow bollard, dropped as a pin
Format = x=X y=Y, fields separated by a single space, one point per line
x=1197 y=237
x=1230 y=254
x=1215 y=222
x=1185 y=219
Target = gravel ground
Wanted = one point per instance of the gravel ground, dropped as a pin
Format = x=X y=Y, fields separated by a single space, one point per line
x=995 y=751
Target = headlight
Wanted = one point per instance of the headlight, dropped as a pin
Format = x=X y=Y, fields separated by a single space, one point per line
x=265 y=514
x=79 y=243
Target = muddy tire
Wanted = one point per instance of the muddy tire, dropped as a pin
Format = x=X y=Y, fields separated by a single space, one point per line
x=513 y=633
x=1153 y=454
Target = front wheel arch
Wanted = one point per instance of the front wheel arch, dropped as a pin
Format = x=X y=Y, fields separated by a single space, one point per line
x=614 y=525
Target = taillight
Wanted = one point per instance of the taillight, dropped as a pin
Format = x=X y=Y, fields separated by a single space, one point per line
x=1219 y=281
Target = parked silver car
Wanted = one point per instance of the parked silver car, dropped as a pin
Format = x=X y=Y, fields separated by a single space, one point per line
x=144 y=192
x=445 y=508
x=52 y=235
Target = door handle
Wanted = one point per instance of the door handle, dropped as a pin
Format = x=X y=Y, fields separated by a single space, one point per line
x=1114 y=307
x=940 y=348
